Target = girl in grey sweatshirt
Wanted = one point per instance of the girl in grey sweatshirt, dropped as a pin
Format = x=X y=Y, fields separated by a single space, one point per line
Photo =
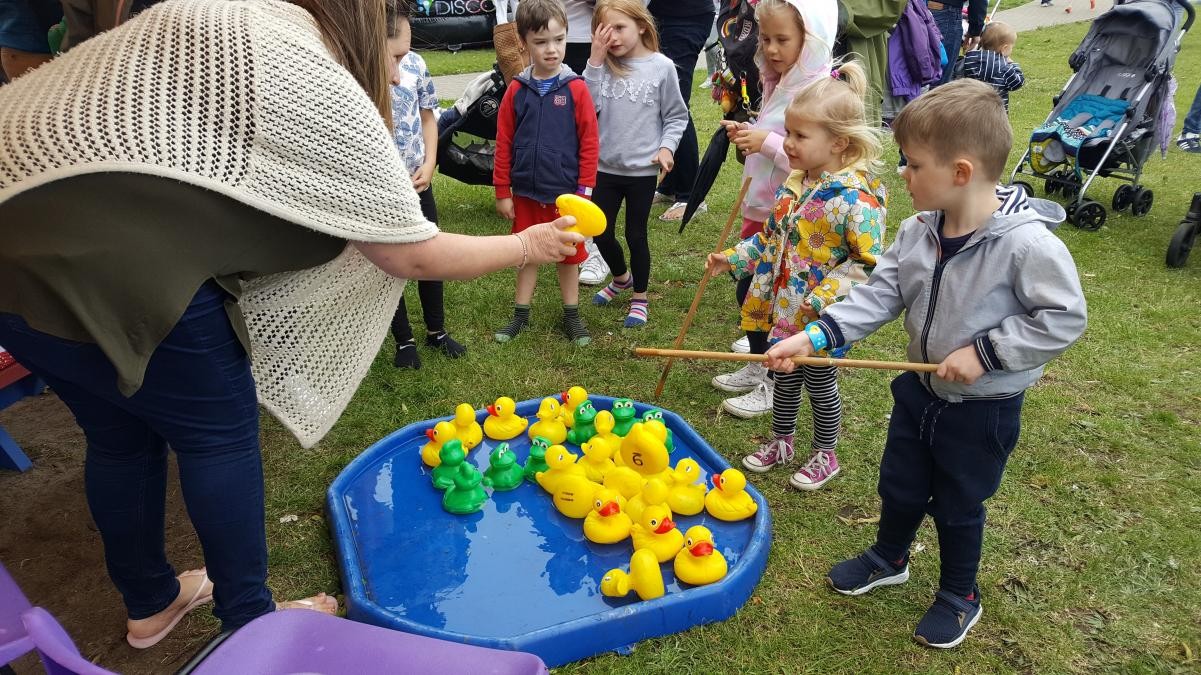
x=641 y=116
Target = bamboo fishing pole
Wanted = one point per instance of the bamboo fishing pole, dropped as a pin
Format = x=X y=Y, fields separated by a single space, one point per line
x=802 y=360
x=700 y=289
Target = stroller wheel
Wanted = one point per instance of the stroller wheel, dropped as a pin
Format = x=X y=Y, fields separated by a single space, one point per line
x=1143 y=199
x=1026 y=187
x=1051 y=186
x=1123 y=197
x=1181 y=244
x=1067 y=185
x=1089 y=216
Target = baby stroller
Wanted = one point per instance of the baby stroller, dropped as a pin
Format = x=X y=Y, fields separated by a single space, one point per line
x=471 y=119
x=1106 y=120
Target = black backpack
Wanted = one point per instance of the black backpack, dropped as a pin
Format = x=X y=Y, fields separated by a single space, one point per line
x=736 y=84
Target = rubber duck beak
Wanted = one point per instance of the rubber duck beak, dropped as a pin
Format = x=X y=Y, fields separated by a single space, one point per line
x=665 y=526
x=563 y=396
x=701 y=548
x=492 y=409
x=717 y=481
x=429 y=433
x=609 y=509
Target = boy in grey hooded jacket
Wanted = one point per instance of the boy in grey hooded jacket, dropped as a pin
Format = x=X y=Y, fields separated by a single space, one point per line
x=991 y=295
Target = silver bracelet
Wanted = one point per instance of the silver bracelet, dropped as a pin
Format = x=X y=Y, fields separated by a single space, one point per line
x=525 y=252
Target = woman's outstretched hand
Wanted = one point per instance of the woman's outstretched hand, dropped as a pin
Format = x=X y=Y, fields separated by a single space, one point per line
x=550 y=242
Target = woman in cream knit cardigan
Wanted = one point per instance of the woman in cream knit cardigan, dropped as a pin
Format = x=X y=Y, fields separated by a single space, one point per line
x=203 y=208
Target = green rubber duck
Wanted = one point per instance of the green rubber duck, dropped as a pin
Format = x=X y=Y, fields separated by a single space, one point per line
x=624 y=415
x=452 y=457
x=657 y=415
x=504 y=473
x=537 y=460
x=585 y=424
x=467 y=494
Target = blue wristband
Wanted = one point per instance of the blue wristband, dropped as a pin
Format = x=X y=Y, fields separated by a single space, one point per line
x=817 y=336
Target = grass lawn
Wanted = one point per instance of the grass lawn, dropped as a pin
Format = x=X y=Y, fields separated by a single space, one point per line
x=1090 y=561
x=443 y=62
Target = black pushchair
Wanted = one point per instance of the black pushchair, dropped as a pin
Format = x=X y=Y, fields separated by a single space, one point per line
x=467 y=131
x=1106 y=120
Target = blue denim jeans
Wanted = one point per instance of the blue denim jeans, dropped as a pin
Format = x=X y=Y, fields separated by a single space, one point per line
x=198 y=398
x=681 y=39
x=1192 y=121
x=950 y=24
x=943 y=459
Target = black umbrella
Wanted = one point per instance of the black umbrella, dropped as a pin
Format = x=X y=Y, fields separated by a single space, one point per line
x=706 y=173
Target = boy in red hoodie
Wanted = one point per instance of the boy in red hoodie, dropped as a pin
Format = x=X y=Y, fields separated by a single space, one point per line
x=546 y=145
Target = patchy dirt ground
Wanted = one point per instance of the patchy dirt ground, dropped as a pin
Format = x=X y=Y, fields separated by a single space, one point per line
x=50 y=546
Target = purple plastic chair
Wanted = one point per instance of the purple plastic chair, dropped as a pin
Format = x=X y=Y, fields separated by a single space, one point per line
x=58 y=652
x=310 y=642
x=14 y=641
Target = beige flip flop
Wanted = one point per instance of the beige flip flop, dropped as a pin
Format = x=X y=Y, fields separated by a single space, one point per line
x=203 y=594
x=309 y=604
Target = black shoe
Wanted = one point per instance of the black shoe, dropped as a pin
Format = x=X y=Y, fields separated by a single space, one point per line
x=860 y=575
x=444 y=343
x=406 y=355
x=948 y=620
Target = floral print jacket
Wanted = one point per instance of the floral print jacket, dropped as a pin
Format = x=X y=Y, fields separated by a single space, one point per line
x=820 y=240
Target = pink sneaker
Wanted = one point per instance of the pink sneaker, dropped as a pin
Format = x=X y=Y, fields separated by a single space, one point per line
x=820 y=468
x=777 y=451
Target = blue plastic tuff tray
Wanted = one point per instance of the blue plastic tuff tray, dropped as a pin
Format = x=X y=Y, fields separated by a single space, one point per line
x=518 y=574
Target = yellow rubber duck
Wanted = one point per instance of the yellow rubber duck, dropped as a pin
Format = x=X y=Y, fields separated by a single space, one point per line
x=560 y=464
x=606 y=522
x=502 y=423
x=645 y=578
x=728 y=500
x=699 y=562
x=549 y=426
x=441 y=433
x=626 y=481
x=656 y=533
x=686 y=496
x=643 y=451
x=596 y=460
x=652 y=494
x=574 y=495
x=571 y=398
x=468 y=430
x=604 y=424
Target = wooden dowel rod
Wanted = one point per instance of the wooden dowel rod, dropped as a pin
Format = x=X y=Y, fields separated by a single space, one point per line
x=803 y=360
x=700 y=289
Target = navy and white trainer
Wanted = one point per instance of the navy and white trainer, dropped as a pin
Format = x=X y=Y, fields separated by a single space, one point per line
x=948 y=620
x=860 y=575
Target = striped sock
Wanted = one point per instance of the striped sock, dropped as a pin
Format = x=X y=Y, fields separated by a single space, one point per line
x=637 y=315
x=521 y=319
x=574 y=326
x=605 y=295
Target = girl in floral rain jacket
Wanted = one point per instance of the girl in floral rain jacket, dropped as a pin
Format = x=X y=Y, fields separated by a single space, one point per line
x=821 y=239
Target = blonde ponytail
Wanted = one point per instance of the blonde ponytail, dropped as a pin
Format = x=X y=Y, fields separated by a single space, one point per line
x=837 y=104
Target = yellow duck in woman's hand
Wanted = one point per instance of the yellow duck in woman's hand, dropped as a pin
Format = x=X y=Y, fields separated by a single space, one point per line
x=728 y=500
x=441 y=433
x=699 y=562
x=607 y=523
x=655 y=532
x=468 y=430
x=549 y=426
x=645 y=578
x=686 y=496
x=503 y=423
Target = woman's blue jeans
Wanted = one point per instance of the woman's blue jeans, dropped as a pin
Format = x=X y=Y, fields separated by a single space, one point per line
x=950 y=24
x=198 y=398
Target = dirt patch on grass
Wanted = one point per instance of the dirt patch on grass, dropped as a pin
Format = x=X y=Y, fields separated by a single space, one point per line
x=50 y=546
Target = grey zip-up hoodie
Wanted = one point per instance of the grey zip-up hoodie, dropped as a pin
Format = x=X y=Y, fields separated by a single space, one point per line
x=1012 y=290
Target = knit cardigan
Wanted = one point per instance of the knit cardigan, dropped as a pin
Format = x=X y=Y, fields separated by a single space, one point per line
x=240 y=97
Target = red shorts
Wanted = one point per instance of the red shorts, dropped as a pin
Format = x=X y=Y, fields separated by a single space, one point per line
x=527 y=212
